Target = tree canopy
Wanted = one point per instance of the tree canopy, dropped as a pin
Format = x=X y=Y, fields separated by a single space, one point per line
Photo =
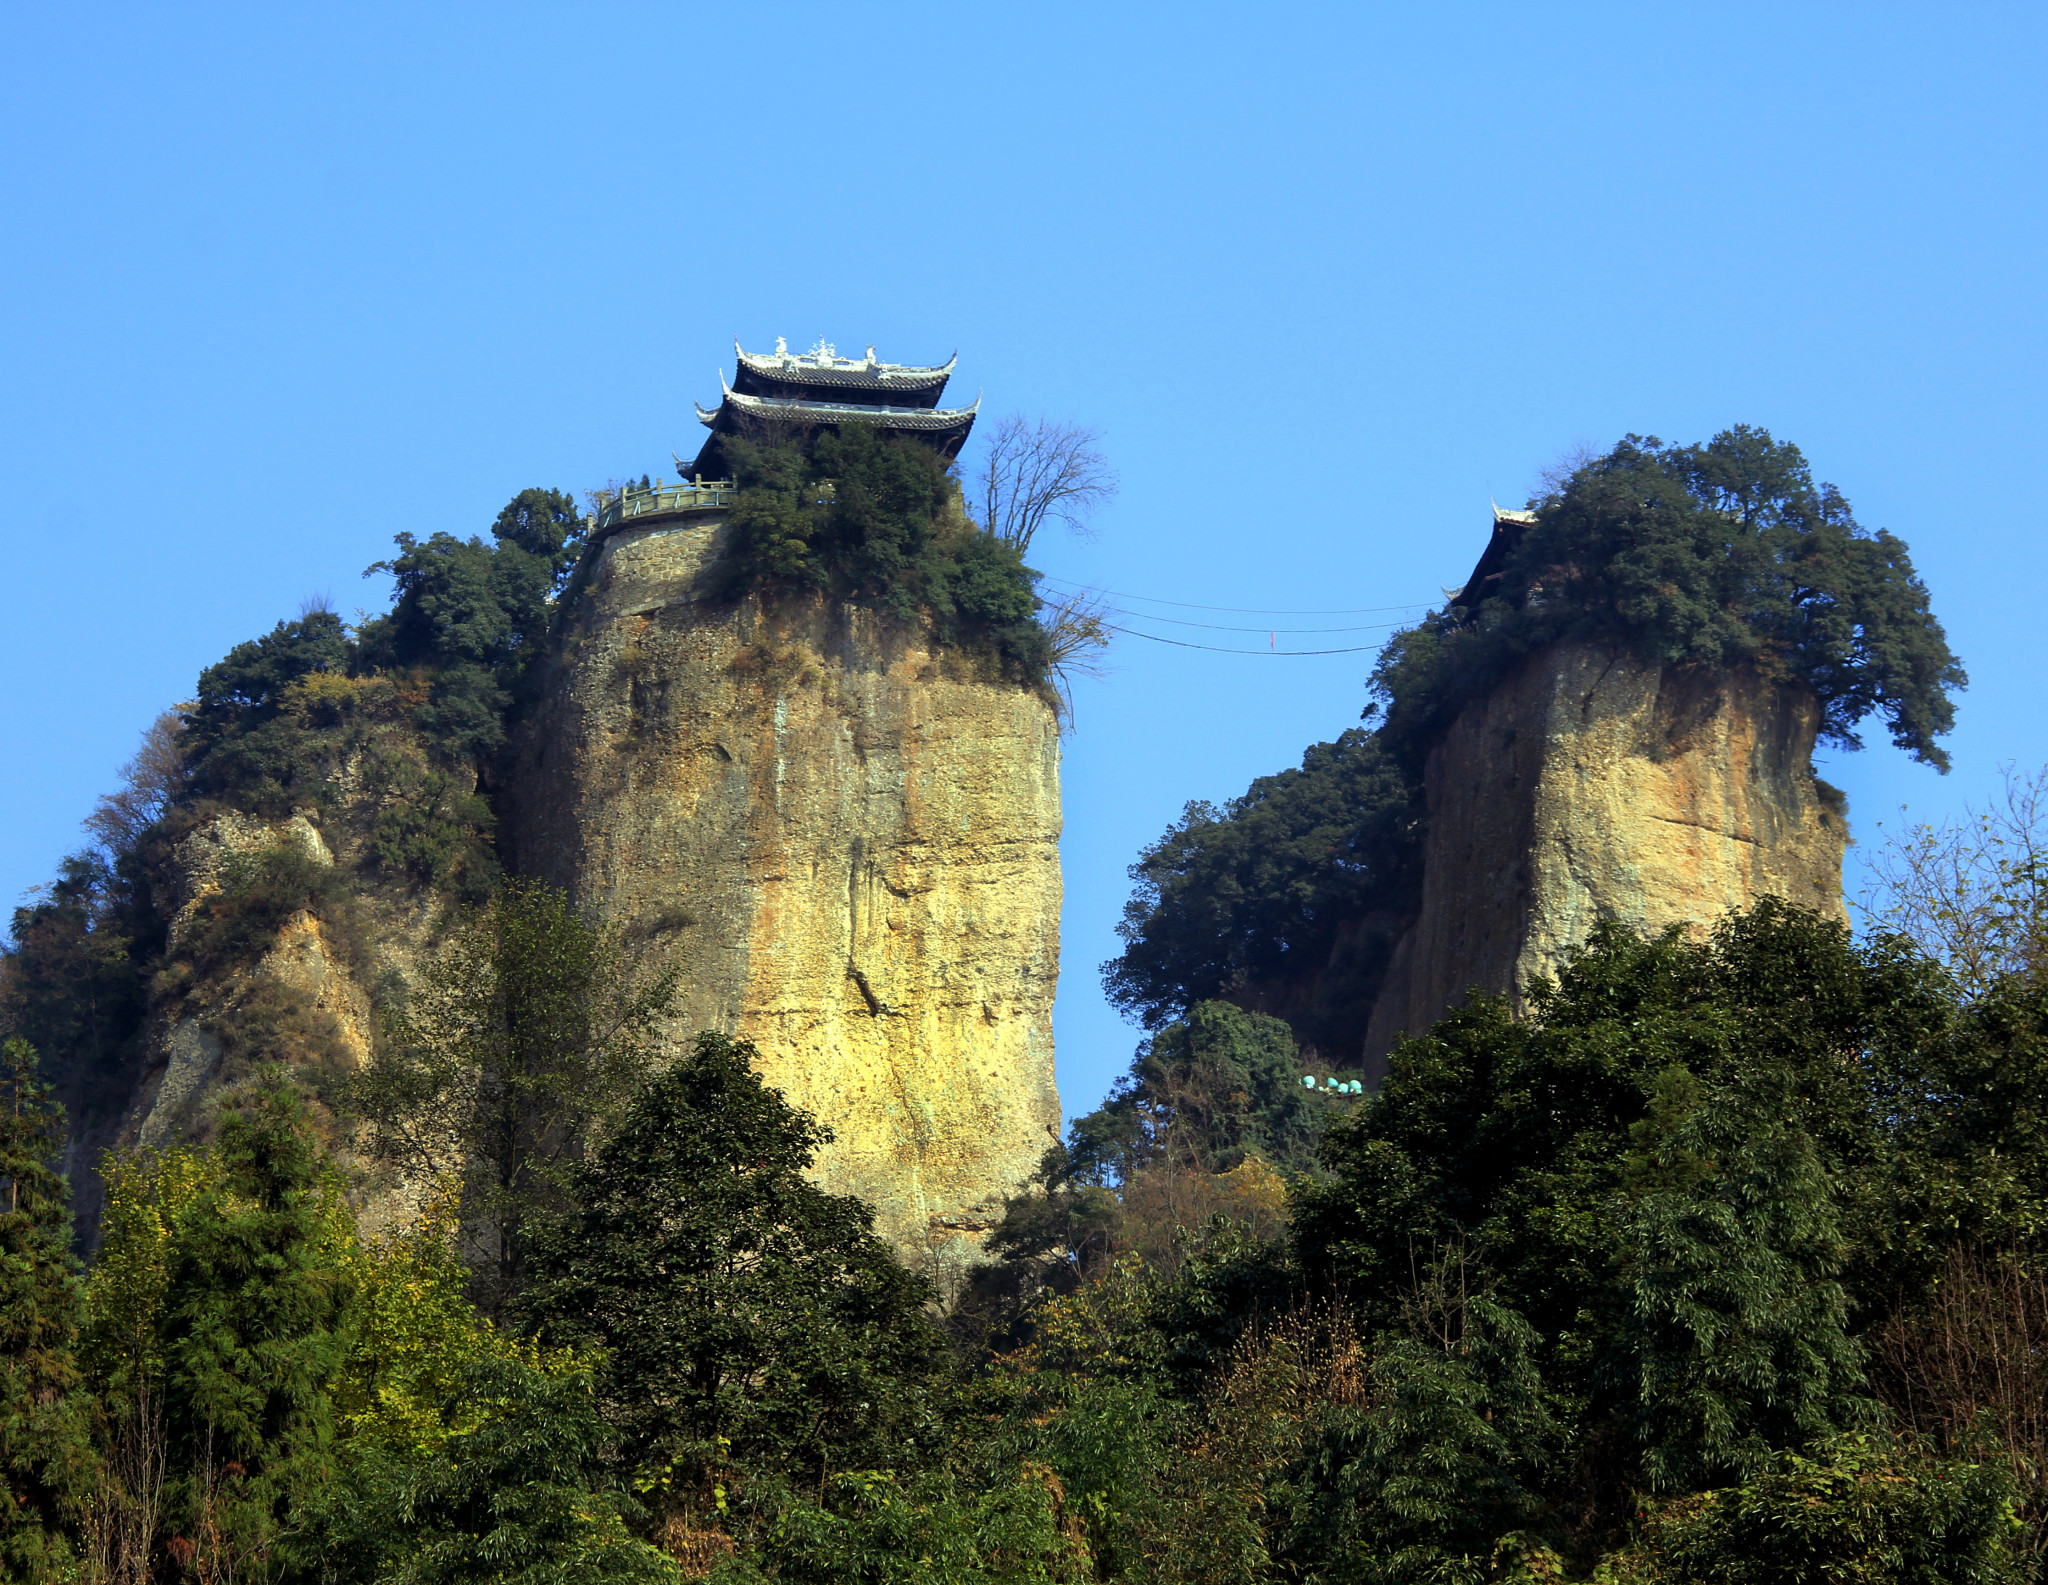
x=744 y=1313
x=1256 y=893
x=890 y=531
x=1720 y=554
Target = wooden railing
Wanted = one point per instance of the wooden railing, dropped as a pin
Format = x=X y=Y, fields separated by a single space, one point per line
x=619 y=506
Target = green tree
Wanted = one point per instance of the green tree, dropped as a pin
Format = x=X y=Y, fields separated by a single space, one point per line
x=1207 y=1091
x=532 y=1028
x=248 y=686
x=1719 y=555
x=258 y=1311
x=546 y=525
x=74 y=980
x=1247 y=899
x=878 y=519
x=744 y=1313
x=1862 y=1510
x=1666 y=1170
x=45 y=1454
x=525 y=1490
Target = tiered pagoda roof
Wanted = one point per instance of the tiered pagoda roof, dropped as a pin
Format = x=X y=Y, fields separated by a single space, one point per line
x=820 y=390
x=1508 y=529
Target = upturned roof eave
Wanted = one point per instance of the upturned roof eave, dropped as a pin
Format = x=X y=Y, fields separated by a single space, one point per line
x=797 y=368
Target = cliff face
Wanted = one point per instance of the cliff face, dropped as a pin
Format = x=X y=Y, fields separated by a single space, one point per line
x=864 y=839
x=240 y=986
x=1590 y=785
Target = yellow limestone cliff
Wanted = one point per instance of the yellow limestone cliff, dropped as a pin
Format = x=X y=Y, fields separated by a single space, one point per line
x=1593 y=785
x=863 y=837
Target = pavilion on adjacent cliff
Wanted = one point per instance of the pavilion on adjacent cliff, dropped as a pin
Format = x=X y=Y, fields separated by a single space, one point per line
x=1508 y=529
x=781 y=392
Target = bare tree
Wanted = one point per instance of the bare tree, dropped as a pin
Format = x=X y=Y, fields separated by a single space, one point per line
x=1972 y=893
x=1035 y=469
x=1077 y=635
x=149 y=782
x=1554 y=476
x=124 y=1506
x=1968 y=1364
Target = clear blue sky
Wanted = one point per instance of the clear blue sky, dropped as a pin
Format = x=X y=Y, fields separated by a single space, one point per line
x=280 y=281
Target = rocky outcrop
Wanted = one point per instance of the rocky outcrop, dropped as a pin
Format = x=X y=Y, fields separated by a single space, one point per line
x=1592 y=785
x=297 y=989
x=299 y=972
x=862 y=834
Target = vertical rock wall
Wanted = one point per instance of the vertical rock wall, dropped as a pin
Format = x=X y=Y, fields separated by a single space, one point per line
x=864 y=838
x=301 y=995
x=1591 y=785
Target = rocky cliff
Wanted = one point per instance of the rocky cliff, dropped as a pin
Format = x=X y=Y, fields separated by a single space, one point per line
x=1591 y=785
x=863 y=835
x=281 y=934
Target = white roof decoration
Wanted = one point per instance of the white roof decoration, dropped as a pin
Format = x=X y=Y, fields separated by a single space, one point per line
x=824 y=359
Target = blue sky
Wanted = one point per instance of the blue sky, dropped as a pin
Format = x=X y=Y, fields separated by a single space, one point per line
x=279 y=282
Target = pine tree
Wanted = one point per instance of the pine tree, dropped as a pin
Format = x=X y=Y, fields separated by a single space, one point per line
x=258 y=1308
x=45 y=1459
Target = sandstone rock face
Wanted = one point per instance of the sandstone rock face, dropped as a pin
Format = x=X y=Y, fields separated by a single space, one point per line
x=864 y=839
x=302 y=995
x=1591 y=786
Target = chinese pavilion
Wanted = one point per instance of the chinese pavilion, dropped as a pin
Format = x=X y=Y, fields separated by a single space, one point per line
x=808 y=391
x=1508 y=529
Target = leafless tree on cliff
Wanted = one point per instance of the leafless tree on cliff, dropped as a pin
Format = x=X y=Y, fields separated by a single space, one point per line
x=1972 y=893
x=1554 y=476
x=149 y=782
x=1077 y=637
x=1035 y=469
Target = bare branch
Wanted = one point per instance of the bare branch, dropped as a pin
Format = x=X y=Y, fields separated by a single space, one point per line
x=1077 y=634
x=149 y=782
x=1035 y=469
x=1553 y=477
x=1972 y=893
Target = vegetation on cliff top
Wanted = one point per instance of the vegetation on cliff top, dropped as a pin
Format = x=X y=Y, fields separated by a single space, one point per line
x=1718 y=555
x=891 y=532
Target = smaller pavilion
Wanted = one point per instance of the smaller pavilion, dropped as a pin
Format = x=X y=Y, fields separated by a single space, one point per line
x=784 y=391
x=1508 y=529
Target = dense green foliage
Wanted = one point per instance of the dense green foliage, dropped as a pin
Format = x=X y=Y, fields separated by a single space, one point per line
x=1257 y=895
x=1208 y=1091
x=878 y=519
x=417 y=700
x=1723 y=554
x=1289 y=898
x=527 y=1491
x=1719 y=1265
x=256 y=1319
x=745 y=1315
x=45 y=1456
x=75 y=978
x=397 y=724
